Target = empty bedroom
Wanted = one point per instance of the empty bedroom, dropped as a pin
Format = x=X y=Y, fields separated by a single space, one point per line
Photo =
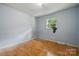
x=39 y=29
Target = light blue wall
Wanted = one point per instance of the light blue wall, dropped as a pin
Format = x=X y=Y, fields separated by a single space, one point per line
x=66 y=24
x=15 y=26
x=78 y=24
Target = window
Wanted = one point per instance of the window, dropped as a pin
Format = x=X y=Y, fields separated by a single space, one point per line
x=51 y=24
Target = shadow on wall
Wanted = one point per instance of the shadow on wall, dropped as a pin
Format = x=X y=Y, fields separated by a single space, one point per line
x=8 y=42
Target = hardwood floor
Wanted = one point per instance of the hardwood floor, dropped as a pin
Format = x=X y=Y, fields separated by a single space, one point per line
x=39 y=47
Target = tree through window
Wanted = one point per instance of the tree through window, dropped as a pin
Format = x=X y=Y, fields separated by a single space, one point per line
x=51 y=23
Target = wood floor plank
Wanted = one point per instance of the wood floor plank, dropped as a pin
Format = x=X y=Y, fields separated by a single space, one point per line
x=40 y=47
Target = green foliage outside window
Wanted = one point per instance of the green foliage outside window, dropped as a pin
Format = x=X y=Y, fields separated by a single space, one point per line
x=52 y=23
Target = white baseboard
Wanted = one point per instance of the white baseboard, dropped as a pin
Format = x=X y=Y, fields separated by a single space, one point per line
x=13 y=44
x=73 y=45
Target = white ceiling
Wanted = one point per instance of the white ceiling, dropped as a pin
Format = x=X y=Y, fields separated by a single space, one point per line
x=38 y=10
